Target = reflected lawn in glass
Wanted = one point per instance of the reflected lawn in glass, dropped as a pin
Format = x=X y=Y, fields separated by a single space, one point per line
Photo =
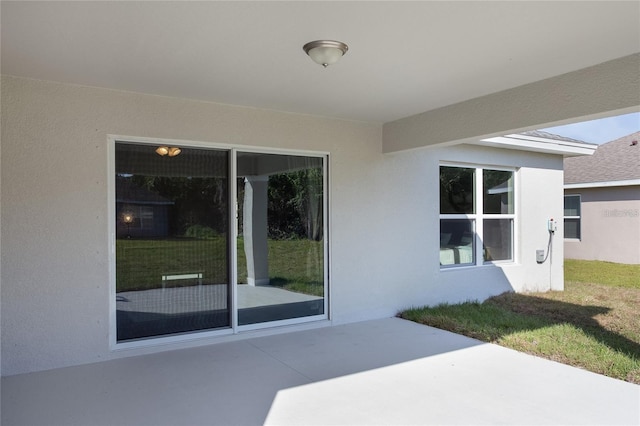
x=294 y=265
x=142 y=262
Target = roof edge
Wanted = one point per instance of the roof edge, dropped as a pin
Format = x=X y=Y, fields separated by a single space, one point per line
x=538 y=144
x=630 y=182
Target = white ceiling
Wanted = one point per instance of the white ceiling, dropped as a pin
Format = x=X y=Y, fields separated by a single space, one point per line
x=404 y=57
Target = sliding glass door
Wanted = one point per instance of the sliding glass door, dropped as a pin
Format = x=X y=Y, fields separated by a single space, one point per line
x=281 y=274
x=175 y=233
x=172 y=240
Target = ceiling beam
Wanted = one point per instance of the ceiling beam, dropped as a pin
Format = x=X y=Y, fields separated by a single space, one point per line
x=580 y=95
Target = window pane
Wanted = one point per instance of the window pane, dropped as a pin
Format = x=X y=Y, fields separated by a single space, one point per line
x=572 y=205
x=456 y=190
x=457 y=242
x=172 y=272
x=497 y=187
x=498 y=239
x=281 y=239
x=572 y=228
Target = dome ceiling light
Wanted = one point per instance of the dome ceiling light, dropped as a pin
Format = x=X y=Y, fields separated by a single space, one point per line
x=325 y=52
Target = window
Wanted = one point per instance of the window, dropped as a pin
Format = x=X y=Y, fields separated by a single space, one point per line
x=572 y=216
x=476 y=209
x=146 y=217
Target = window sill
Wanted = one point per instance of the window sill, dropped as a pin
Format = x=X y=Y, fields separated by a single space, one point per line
x=484 y=265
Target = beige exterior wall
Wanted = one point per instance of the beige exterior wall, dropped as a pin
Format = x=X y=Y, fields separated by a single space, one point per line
x=610 y=225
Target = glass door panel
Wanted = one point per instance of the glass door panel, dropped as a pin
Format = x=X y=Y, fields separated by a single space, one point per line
x=280 y=247
x=172 y=245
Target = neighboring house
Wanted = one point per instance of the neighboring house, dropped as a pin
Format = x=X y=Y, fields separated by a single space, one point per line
x=139 y=212
x=415 y=209
x=602 y=203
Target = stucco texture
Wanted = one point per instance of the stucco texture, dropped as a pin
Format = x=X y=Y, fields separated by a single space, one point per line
x=383 y=215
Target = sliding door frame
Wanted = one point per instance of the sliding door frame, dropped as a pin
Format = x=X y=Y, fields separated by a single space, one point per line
x=325 y=240
x=235 y=328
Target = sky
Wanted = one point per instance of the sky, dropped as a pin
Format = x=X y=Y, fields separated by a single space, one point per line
x=600 y=131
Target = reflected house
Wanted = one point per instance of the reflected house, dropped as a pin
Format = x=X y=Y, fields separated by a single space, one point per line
x=140 y=213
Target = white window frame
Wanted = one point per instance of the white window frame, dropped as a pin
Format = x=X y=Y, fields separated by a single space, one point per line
x=578 y=217
x=477 y=218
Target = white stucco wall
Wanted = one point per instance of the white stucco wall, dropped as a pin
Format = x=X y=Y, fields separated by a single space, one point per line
x=610 y=225
x=384 y=229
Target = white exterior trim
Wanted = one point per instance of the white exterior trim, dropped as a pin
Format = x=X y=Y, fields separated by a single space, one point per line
x=537 y=144
x=630 y=182
x=215 y=145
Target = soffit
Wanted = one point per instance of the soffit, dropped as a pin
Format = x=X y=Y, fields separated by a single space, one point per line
x=543 y=142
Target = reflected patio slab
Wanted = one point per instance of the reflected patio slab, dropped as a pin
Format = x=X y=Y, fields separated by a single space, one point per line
x=180 y=300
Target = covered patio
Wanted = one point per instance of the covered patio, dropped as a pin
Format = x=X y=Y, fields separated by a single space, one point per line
x=387 y=371
x=425 y=85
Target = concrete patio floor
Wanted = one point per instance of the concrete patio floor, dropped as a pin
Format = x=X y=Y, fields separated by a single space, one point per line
x=387 y=371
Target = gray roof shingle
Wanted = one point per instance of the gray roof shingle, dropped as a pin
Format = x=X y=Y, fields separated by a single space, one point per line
x=613 y=161
x=547 y=135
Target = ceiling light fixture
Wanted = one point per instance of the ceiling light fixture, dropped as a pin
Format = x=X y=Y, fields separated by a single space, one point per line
x=170 y=151
x=325 y=52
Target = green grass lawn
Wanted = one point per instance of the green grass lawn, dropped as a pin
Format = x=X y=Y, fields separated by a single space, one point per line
x=296 y=265
x=594 y=324
x=605 y=273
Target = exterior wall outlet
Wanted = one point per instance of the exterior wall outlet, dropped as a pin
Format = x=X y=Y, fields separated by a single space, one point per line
x=539 y=256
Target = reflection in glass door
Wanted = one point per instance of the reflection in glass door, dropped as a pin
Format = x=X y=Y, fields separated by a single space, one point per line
x=280 y=248
x=173 y=263
x=172 y=245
